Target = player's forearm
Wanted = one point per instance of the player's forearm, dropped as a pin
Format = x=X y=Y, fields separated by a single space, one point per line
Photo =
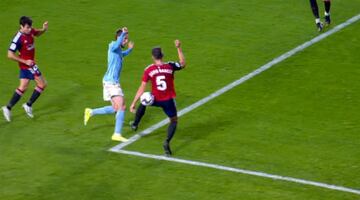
x=127 y=52
x=11 y=55
x=181 y=57
x=40 y=31
x=120 y=40
x=139 y=93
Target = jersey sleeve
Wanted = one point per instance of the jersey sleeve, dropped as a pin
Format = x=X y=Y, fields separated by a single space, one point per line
x=126 y=52
x=35 y=32
x=175 y=65
x=15 y=43
x=146 y=76
x=118 y=42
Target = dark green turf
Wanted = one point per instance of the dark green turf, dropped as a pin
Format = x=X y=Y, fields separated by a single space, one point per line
x=298 y=119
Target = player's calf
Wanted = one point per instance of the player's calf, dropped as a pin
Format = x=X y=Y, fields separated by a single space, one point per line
x=167 y=148
x=15 y=98
x=170 y=135
x=139 y=114
x=327 y=19
x=35 y=95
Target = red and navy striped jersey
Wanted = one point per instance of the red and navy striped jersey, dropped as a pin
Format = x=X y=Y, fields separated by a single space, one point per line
x=24 y=43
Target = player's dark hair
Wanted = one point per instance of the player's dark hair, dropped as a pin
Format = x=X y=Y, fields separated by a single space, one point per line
x=25 y=20
x=118 y=33
x=157 y=53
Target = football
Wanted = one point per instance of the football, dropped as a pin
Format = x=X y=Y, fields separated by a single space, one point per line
x=147 y=99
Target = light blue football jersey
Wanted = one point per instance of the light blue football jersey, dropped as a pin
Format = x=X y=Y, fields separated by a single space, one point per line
x=115 y=58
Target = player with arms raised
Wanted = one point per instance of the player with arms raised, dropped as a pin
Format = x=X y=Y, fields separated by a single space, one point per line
x=23 y=42
x=111 y=84
x=161 y=76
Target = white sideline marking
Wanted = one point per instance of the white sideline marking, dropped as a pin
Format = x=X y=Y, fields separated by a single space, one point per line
x=241 y=171
x=238 y=82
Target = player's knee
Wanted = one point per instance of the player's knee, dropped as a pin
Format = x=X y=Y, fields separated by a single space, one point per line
x=116 y=107
x=23 y=88
x=174 y=119
x=42 y=85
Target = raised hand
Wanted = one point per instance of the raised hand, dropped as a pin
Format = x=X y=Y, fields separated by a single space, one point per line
x=177 y=43
x=45 y=25
x=125 y=30
x=131 y=45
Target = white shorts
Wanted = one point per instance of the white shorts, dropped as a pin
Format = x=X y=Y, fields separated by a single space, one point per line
x=111 y=90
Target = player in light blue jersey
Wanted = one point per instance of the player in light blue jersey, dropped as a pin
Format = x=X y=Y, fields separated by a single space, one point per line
x=111 y=84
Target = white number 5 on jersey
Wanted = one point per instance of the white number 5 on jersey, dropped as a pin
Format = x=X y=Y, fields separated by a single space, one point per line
x=160 y=83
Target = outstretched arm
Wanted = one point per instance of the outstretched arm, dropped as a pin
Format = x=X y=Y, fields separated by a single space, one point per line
x=180 y=53
x=43 y=30
x=137 y=96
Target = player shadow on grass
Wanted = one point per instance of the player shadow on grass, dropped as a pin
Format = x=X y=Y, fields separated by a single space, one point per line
x=97 y=127
x=195 y=132
x=3 y=123
x=54 y=106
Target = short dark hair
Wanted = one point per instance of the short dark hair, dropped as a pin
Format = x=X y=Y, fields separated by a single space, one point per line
x=157 y=53
x=25 y=20
x=118 y=32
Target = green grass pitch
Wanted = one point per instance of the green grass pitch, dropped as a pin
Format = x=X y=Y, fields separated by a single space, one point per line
x=298 y=119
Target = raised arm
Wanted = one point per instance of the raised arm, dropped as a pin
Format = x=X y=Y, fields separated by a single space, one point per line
x=139 y=92
x=43 y=30
x=120 y=39
x=180 y=53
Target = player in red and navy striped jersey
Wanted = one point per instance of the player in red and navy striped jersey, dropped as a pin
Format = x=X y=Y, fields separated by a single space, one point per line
x=23 y=42
x=161 y=76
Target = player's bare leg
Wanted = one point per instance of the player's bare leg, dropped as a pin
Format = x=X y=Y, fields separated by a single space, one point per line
x=40 y=87
x=119 y=106
x=24 y=83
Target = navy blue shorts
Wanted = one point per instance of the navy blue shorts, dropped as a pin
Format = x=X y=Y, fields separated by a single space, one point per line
x=29 y=73
x=168 y=107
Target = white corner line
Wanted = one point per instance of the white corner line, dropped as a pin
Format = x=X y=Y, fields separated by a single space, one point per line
x=241 y=171
x=239 y=81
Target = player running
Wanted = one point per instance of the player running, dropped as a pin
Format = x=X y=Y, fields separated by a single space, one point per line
x=23 y=42
x=111 y=84
x=315 y=10
x=161 y=76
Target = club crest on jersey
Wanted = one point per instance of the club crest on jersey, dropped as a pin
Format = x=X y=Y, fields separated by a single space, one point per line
x=30 y=47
